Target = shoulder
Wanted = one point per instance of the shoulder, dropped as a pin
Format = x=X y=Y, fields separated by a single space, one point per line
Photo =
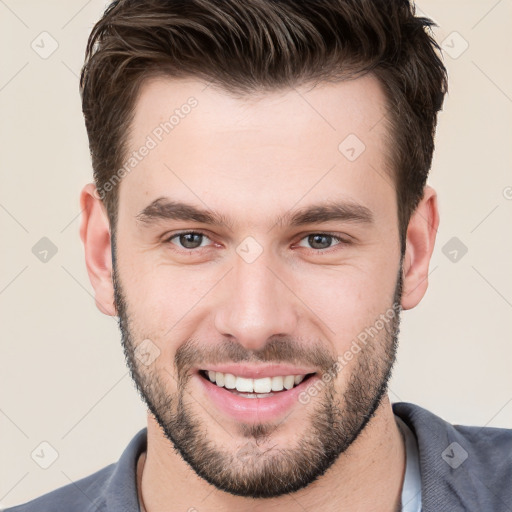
x=112 y=488
x=83 y=495
x=487 y=444
x=469 y=465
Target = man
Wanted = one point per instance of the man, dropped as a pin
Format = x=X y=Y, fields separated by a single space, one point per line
x=259 y=219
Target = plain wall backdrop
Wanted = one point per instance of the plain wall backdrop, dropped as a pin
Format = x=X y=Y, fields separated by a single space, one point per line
x=63 y=377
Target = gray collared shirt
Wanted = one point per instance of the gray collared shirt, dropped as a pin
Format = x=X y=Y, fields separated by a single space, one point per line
x=463 y=468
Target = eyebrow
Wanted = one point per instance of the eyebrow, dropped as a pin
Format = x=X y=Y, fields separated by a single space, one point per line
x=347 y=211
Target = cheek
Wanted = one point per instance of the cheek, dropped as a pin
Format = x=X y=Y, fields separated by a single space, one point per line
x=349 y=299
x=164 y=301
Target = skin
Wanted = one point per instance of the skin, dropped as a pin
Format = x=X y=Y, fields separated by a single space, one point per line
x=253 y=160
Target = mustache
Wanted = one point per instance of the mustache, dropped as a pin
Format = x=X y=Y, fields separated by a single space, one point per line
x=193 y=353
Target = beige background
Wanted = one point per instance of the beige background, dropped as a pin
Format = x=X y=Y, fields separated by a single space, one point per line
x=63 y=378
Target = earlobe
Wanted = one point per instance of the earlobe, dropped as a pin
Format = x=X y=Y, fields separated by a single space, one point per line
x=421 y=236
x=95 y=235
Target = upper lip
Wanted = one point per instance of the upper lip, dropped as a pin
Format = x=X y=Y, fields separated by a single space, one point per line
x=258 y=371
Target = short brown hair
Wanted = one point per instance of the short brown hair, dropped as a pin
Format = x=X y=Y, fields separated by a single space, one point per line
x=250 y=46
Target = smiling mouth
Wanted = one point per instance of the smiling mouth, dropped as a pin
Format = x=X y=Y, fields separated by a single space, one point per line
x=254 y=388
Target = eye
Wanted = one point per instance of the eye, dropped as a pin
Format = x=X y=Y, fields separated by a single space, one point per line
x=322 y=241
x=188 y=239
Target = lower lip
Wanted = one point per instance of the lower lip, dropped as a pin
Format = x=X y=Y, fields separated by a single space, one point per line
x=254 y=410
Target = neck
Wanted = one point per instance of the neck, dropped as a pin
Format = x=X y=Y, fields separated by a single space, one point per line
x=371 y=471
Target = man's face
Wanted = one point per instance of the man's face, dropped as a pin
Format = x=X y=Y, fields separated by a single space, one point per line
x=267 y=292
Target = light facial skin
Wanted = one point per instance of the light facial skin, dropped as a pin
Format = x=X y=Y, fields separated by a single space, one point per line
x=285 y=301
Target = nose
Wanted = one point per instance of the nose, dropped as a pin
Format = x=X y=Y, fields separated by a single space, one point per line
x=256 y=304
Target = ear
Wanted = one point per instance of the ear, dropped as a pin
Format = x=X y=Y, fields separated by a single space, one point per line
x=421 y=236
x=95 y=235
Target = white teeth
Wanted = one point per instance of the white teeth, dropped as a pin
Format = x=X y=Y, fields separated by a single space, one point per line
x=277 y=383
x=254 y=395
x=243 y=384
x=219 y=379
x=263 y=386
x=229 y=381
x=289 y=381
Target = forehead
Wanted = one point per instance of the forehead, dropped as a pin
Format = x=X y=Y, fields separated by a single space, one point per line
x=298 y=144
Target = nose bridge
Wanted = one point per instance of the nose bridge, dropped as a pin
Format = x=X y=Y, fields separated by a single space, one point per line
x=255 y=303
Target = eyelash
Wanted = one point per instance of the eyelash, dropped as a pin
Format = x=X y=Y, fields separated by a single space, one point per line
x=337 y=238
